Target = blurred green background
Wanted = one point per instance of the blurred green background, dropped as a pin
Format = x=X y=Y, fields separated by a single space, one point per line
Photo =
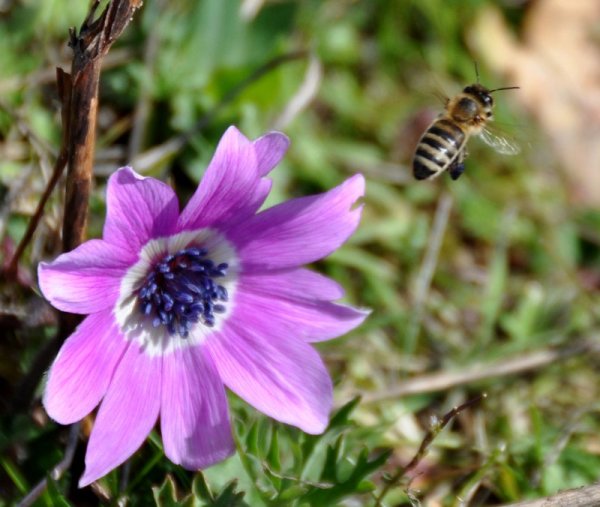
x=487 y=284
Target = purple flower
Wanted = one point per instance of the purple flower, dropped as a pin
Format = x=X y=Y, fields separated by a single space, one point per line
x=180 y=305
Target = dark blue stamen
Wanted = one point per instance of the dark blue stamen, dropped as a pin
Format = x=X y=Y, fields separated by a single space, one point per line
x=180 y=291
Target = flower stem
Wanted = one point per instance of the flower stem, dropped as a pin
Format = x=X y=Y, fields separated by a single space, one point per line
x=436 y=427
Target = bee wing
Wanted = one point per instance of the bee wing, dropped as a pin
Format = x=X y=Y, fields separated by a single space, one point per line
x=500 y=143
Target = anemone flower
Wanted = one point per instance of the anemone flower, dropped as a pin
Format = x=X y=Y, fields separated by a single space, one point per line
x=181 y=305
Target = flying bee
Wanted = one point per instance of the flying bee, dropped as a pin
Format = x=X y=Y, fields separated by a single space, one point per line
x=443 y=145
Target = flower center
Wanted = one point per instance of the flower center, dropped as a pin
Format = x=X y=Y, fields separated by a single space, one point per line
x=180 y=290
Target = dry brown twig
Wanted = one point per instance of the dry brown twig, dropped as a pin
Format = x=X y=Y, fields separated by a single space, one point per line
x=520 y=363
x=89 y=47
x=580 y=497
x=64 y=92
x=57 y=471
x=422 y=283
x=437 y=426
x=78 y=92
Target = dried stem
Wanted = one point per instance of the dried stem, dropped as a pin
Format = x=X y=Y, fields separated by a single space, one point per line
x=57 y=471
x=306 y=92
x=510 y=366
x=89 y=47
x=427 y=270
x=579 y=497
x=64 y=92
x=436 y=427
x=79 y=94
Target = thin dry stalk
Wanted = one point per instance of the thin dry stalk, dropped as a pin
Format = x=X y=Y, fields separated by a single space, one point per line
x=436 y=427
x=521 y=363
x=79 y=94
x=580 y=497
x=64 y=92
x=427 y=269
x=57 y=472
x=89 y=47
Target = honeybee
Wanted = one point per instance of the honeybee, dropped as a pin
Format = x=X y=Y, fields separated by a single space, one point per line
x=443 y=145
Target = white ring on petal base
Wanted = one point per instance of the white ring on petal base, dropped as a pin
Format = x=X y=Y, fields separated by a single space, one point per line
x=156 y=341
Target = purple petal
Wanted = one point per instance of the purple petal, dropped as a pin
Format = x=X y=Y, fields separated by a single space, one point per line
x=257 y=199
x=297 y=283
x=194 y=417
x=228 y=190
x=309 y=320
x=87 y=279
x=299 y=231
x=138 y=209
x=270 y=149
x=127 y=414
x=280 y=376
x=80 y=375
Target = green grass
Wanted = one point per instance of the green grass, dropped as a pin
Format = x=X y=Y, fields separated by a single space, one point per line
x=516 y=271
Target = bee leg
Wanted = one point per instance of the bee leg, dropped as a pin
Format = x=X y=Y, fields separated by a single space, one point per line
x=456 y=169
x=458 y=166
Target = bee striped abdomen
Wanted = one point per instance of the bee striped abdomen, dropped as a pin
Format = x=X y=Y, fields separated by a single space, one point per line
x=438 y=147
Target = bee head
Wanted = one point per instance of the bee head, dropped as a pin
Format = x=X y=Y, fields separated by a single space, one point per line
x=481 y=93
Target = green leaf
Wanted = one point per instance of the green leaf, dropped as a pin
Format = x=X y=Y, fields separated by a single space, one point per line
x=201 y=489
x=229 y=497
x=274 y=460
x=341 y=417
x=331 y=461
x=166 y=494
x=56 y=497
x=338 y=421
x=252 y=439
x=353 y=484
